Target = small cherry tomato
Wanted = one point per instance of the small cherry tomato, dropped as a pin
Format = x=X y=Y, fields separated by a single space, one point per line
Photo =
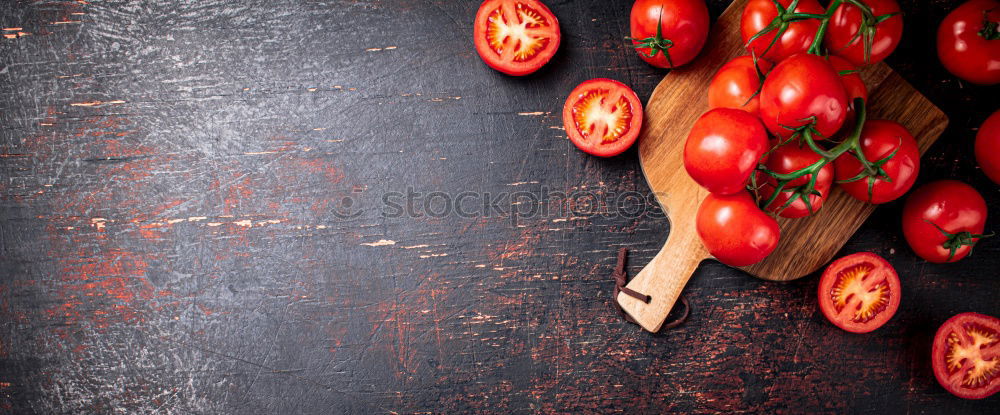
x=853 y=85
x=791 y=202
x=734 y=230
x=859 y=292
x=968 y=42
x=758 y=14
x=895 y=160
x=602 y=117
x=861 y=39
x=723 y=149
x=988 y=147
x=737 y=84
x=801 y=90
x=965 y=355
x=942 y=220
x=516 y=37
x=669 y=33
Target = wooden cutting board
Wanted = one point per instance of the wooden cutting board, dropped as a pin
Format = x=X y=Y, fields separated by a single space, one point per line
x=806 y=244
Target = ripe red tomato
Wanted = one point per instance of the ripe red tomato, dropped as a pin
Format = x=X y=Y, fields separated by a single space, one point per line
x=786 y=159
x=859 y=292
x=723 y=149
x=734 y=230
x=853 y=85
x=879 y=139
x=799 y=90
x=964 y=355
x=759 y=13
x=516 y=37
x=988 y=147
x=602 y=117
x=671 y=31
x=845 y=37
x=966 y=47
x=942 y=220
x=737 y=83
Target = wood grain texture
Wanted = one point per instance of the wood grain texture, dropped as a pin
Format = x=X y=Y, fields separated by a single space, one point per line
x=170 y=180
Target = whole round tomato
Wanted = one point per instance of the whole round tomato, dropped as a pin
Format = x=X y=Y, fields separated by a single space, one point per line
x=870 y=44
x=968 y=42
x=800 y=90
x=516 y=37
x=942 y=220
x=894 y=176
x=859 y=292
x=853 y=85
x=988 y=147
x=790 y=202
x=737 y=83
x=964 y=355
x=602 y=117
x=669 y=33
x=723 y=149
x=734 y=230
x=758 y=14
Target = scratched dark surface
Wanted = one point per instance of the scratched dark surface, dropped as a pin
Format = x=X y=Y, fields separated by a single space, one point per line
x=173 y=237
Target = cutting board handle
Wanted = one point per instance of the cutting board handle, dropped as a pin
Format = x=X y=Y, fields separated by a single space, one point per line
x=664 y=278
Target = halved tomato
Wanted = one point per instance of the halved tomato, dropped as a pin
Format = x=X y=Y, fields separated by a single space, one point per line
x=602 y=117
x=859 y=292
x=516 y=37
x=966 y=355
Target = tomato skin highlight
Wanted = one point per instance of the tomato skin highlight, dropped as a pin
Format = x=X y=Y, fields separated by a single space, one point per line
x=600 y=93
x=786 y=159
x=854 y=86
x=842 y=37
x=684 y=22
x=800 y=88
x=736 y=83
x=962 y=50
x=797 y=38
x=863 y=283
x=723 y=149
x=734 y=230
x=879 y=139
x=958 y=338
x=988 y=147
x=507 y=62
x=951 y=205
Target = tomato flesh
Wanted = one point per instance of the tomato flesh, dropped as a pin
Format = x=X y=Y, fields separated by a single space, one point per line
x=859 y=292
x=602 y=117
x=966 y=355
x=516 y=37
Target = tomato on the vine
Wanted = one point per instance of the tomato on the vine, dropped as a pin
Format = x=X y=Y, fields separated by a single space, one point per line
x=758 y=14
x=602 y=117
x=942 y=220
x=516 y=37
x=859 y=292
x=734 y=230
x=802 y=90
x=988 y=147
x=723 y=149
x=865 y=39
x=966 y=355
x=737 y=84
x=791 y=202
x=669 y=33
x=894 y=163
x=968 y=42
x=853 y=85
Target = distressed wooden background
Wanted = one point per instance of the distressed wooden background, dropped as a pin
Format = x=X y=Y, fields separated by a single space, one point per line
x=192 y=220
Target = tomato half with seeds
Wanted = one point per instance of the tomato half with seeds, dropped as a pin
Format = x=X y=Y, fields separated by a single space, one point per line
x=801 y=90
x=602 y=117
x=988 y=147
x=791 y=201
x=734 y=230
x=865 y=40
x=895 y=160
x=966 y=355
x=723 y=149
x=758 y=14
x=859 y=292
x=516 y=37
x=669 y=33
x=943 y=220
x=737 y=84
x=968 y=42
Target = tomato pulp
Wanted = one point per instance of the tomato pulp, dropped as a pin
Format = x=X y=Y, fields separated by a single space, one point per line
x=516 y=37
x=602 y=117
x=859 y=292
x=966 y=355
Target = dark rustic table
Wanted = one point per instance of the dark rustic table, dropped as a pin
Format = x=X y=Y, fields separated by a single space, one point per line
x=224 y=206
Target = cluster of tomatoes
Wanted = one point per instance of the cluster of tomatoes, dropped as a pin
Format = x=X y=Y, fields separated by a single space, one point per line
x=786 y=122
